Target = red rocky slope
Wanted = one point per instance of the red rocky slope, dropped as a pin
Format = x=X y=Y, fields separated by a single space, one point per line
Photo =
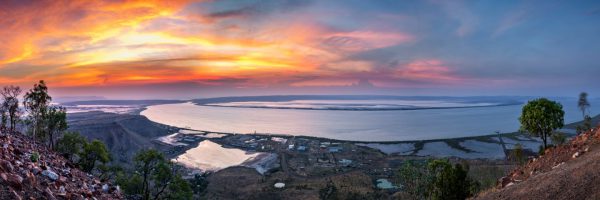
x=51 y=177
x=569 y=171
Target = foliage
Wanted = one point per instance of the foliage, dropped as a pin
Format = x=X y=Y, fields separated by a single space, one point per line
x=35 y=156
x=93 y=152
x=199 y=183
x=36 y=102
x=415 y=178
x=10 y=106
x=109 y=172
x=329 y=192
x=154 y=178
x=437 y=179
x=3 y=118
x=56 y=123
x=183 y=188
x=71 y=144
x=558 y=138
x=540 y=117
x=450 y=182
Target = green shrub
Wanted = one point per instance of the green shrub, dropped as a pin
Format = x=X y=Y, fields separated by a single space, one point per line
x=35 y=156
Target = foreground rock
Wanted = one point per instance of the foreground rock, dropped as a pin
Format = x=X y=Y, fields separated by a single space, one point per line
x=51 y=177
x=569 y=171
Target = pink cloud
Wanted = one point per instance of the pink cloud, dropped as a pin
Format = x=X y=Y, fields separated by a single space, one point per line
x=427 y=70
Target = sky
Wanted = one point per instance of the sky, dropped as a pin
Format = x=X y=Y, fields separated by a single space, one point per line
x=189 y=49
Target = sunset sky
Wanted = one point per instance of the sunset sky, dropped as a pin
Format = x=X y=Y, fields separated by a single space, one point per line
x=188 y=49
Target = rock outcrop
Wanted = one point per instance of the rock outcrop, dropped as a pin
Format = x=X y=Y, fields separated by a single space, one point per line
x=50 y=176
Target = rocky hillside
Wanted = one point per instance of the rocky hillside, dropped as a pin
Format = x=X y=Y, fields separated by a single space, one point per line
x=123 y=134
x=570 y=171
x=50 y=177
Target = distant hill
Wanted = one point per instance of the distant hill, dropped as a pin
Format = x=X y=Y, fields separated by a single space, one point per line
x=123 y=134
x=509 y=100
x=62 y=99
x=570 y=171
x=595 y=121
x=121 y=102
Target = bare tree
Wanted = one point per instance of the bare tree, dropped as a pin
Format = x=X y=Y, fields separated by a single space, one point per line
x=10 y=96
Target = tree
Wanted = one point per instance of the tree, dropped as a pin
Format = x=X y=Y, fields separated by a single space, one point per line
x=56 y=123
x=93 y=152
x=36 y=102
x=155 y=178
x=541 y=117
x=71 y=144
x=329 y=192
x=415 y=179
x=583 y=103
x=10 y=104
x=449 y=182
x=3 y=118
x=199 y=183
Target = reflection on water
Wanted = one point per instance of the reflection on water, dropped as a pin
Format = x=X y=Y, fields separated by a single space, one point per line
x=210 y=156
x=397 y=125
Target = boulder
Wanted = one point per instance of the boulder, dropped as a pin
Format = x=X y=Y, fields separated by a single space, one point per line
x=50 y=174
x=6 y=166
x=14 y=181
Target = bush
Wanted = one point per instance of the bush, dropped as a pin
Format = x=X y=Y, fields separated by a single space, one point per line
x=71 y=144
x=415 y=179
x=154 y=177
x=35 y=156
x=437 y=179
x=93 y=152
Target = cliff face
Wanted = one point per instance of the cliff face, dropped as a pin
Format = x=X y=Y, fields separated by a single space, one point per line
x=570 y=171
x=51 y=177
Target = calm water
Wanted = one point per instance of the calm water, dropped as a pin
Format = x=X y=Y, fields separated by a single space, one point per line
x=394 y=125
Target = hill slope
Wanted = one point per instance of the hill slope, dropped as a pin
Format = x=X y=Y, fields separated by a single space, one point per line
x=51 y=177
x=123 y=134
x=570 y=171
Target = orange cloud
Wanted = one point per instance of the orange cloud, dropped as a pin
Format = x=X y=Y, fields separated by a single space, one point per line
x=87 y=43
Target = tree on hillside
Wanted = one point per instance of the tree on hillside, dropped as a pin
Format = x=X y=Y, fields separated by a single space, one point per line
x=449 y=182
x=541 y=117
x=10 y=105
x=3 y=119
x=56 y=121
x=415 y=179
x=71 y=144
x=155 y=178
x=36 y=102
x=583 y=103
x=92 y=153
x=436 y=179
